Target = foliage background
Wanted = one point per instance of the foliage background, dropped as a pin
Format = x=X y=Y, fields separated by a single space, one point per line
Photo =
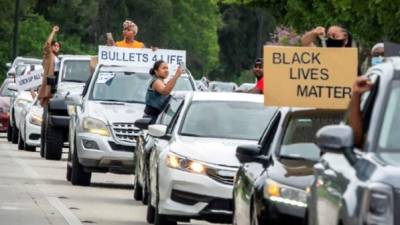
x=222 y=37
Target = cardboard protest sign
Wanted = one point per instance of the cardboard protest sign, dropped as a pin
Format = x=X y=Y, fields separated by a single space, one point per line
x=30 y=79
x=139 y=57
x=309 y=77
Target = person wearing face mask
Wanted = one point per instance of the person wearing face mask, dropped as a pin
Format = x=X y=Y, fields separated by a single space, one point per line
x=335 y=36
x=130 y=30
x=51 y=65
x=158 y=92
x=377 y=54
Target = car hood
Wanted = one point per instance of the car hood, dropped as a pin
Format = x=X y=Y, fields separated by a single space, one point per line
x=387 y=172
x=209 y=150
x=112 y=112
x=71 y=87
x=295 y=173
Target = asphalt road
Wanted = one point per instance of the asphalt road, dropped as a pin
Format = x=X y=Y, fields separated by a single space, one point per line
x=34 y=191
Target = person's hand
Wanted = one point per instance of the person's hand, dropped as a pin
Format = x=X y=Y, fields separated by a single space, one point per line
x=362 y=84
x=56 y=29
x=178 y=72
x=320 y=31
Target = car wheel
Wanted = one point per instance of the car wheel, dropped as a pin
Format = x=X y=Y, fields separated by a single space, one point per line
x=78 y=174
x=150 y=211
x=137 y=193
x=254 y=217
x=9 y=133
x=69 y=163
x=14 y=135
x=160 y=219
x=21 y=143
x=145 y=195
x=53 y=143
x=42 y=131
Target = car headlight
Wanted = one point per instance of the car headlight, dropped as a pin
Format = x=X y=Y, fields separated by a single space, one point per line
x=284 y=194
x=95 y=126
x=179 y=162
x=36 y=119
x=21 y=102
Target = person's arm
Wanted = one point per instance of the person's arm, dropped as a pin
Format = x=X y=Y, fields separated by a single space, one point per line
x=165 y=89
x=33 y=93
x=308 y=38
x=254 y=90
x=47 y=45
x=361 y=85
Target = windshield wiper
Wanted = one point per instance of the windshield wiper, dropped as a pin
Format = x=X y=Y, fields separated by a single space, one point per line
x=191 y=135
x=111 y=100
x=140 y=102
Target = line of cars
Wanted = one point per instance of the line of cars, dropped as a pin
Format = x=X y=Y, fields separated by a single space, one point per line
x=224 y=157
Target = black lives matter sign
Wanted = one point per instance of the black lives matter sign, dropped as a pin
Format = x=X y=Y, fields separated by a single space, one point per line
x=309 y=77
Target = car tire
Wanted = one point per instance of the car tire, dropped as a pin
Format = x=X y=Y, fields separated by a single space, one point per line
x=137 y=192
x=21 y=143
x=53 y=143
x=14 y=135
x=69 y=173
x=78 y=174
x=162 y=219
x=150 y=211
x=9 y=133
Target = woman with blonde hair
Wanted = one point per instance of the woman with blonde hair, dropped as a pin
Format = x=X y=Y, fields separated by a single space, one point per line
x=130 y=30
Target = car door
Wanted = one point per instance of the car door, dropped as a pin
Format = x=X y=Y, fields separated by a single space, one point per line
x=249 y=173
x=336 y=179
x=169 y=119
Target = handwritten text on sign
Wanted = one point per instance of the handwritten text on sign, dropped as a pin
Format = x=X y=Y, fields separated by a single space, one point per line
x=142 y=57
x=29 y=79
x=309 y=77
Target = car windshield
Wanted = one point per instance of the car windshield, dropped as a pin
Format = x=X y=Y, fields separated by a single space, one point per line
x=389 y=144
x=28 y=61
x=184 y=84
x=76 y=71
x=299 y=133
x=7 y=92
x=224 y=119
x=121 y=86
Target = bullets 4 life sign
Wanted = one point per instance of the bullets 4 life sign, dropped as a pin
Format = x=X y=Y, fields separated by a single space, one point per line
x=309 y=77
x=139 y=57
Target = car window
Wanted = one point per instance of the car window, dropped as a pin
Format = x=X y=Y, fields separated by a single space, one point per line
x=300 y=130
x=390 y=132
x=76 y=71
x=226 y=119
x=170 y=111
x=269 y=134
x=120 y=86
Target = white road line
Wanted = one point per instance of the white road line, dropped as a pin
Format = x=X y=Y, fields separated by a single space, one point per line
x=70 y=217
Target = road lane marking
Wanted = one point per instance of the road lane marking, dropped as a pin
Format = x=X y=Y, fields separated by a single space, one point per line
x=68 y=215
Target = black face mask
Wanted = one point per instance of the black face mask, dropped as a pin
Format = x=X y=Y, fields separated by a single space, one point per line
x=334 y=43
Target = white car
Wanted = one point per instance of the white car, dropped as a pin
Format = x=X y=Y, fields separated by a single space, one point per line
x=102 y=132
x=218 y=86
x=245 y=87
x=193 y=163
x=23 y=100
x=30 y=125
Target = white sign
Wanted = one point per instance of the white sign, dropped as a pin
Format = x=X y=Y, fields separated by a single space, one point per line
x=29 y=79
x=104 y=77
x=140 y=57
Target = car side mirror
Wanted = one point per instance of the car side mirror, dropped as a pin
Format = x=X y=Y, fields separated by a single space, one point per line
x=12 y=87
x=8 y=65
x=247 y=153
x=143 y=123
x=74 y=100
x=337 y=139
x=157 y=130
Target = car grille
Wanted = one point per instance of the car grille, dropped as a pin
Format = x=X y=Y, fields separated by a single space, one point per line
x=125 y=132
x=222 y=176
x=121 y=148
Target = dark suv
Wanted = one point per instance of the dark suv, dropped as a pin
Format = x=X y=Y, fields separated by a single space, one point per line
x=361 y=185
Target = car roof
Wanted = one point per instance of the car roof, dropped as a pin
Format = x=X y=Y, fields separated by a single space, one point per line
x=227 y=96
x=75 y=57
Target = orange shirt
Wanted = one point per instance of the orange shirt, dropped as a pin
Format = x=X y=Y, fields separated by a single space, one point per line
x=134 y=44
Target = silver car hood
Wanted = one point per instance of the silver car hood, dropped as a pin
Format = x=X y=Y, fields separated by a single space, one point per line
x=111 y=112
x=71 y=87
x=210 y=150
